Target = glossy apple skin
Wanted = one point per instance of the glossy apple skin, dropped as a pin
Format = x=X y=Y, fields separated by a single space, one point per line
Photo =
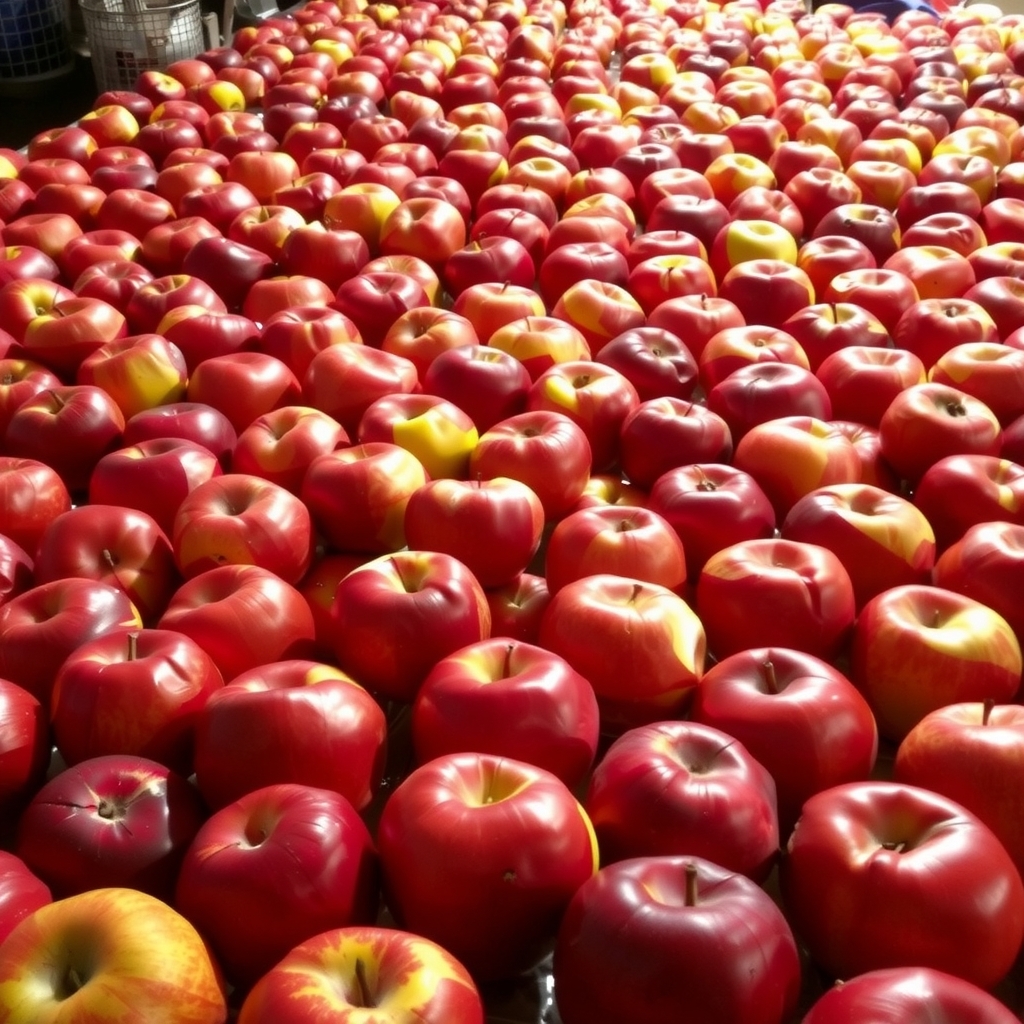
x=510 y=698
x=133 y=943
x=16 y=569
x=40 y=628
x=517 y=607
x=972 y=753
x=25 y=745
x=407 y=979
x=132 y=692
x=961 y=491
x=493 y=527
x=545 y=450
x=882 y=874
x=663 y=433
x=118 y=820
x=290 y=721
x=69 y=428
x=358 y=496
x=217 y=607
x=31 y=494
x=436 y=431
x=631 y=938
x=153 y=477
x=634 y=542
x=683 y=788
x=927 y=422
x=486 y=383
x=916 y=648
x=191 y=421
x=882 y=539
x=122 y=547
x=798 y=715
x=641 y=646
x=21 y=892
x=275 y=867
x=795 y=455
x=903 y=995
x=280 y=445
x=775 y=592
x=489 y=871
x=399 y=614
x=711 y=506
x=985 y=564
x=240 y=519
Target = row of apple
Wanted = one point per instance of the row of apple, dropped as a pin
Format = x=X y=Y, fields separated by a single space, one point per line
x=606 y=291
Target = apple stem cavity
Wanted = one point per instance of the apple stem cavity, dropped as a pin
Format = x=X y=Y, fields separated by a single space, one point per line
x=363 y=994
x=70 y=983
x=691 y=884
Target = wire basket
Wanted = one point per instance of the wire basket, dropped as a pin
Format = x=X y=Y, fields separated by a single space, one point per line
x=34 y=40
x=127 y=37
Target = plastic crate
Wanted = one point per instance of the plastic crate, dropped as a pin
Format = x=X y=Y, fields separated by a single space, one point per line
x=127 y=37
x=35 y=42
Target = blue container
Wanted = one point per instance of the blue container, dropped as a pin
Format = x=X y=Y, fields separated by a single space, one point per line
x=34 y=39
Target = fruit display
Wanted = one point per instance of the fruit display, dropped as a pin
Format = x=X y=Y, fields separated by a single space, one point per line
x=511 y=511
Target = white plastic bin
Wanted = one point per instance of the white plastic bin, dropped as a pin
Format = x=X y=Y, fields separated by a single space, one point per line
x=127 y=37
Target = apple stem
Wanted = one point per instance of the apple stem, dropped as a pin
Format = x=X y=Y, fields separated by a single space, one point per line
x=364 y=989
x=894 y=847
x=57 y=399
x=691 y=884
x=637 y=587
x=771 y=681
x=705 y=484
x=506 y=667
x=987 y=710
x=398 y=572
x=133 y=646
